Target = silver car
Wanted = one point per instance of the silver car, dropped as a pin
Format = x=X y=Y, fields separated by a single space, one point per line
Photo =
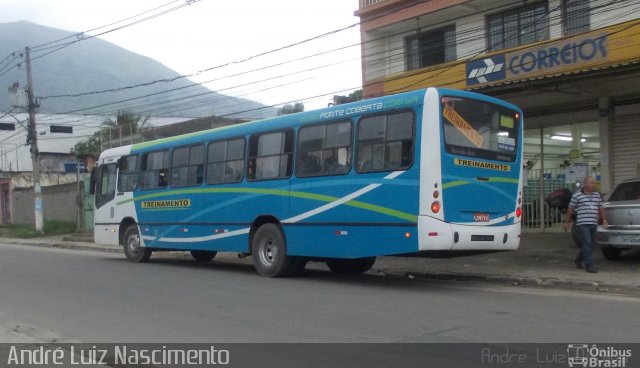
x=622 y=212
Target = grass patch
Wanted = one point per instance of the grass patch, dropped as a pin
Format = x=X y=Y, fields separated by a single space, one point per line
x=29 y=231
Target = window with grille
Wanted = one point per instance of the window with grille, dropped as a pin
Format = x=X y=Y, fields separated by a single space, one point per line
x=431 y=48
x=518 y=26
x=576 y=16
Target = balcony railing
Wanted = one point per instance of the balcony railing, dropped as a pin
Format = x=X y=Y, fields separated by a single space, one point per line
x=365 y=3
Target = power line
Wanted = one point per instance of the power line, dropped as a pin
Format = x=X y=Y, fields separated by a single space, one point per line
x=291 y=101
x=226 y=64
x=55 y=46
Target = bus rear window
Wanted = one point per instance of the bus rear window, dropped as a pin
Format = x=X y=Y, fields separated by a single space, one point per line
x=479 y=129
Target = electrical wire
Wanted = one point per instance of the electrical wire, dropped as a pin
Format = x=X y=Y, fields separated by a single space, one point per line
x=308 y=98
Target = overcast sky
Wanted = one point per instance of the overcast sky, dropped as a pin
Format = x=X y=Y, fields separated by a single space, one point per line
x=209 y=33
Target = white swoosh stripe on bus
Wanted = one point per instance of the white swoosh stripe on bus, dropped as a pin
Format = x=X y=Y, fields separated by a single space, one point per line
x=340 y=201
x=291 y=220
x=201 y=238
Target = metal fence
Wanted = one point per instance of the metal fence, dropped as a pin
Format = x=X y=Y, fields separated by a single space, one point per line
x=551 y=180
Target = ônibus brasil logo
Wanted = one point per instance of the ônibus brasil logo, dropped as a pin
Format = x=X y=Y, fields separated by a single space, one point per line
x=585 y=355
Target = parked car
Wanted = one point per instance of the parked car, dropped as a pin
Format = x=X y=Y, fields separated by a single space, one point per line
x=622 y=212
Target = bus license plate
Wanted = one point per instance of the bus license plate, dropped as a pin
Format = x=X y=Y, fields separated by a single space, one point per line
x=481 y=237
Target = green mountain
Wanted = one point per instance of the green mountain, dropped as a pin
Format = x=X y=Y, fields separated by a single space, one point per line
x=94 y=65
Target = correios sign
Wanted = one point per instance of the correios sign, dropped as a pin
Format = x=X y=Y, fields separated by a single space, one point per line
x=601 y=48
x=605 y=47
x=564 y=55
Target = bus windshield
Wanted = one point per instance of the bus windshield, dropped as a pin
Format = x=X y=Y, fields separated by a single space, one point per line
x=479 y=129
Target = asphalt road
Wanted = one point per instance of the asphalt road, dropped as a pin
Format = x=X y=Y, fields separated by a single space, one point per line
x=85 y=296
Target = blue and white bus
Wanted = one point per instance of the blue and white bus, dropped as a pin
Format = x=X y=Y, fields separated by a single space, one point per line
x=432 y=172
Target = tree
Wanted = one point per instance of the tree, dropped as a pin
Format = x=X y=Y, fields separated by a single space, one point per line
x=353 y=96
x=126 y=124
x=128 y=121
x=291 y=109
x=88 y=147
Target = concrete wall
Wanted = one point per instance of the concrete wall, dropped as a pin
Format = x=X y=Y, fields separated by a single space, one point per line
x=22 y=180
x=58 y=201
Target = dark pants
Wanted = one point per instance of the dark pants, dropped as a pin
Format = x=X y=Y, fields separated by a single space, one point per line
x=587 y=241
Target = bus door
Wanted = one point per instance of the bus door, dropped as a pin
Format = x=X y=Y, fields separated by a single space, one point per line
x=106 y=225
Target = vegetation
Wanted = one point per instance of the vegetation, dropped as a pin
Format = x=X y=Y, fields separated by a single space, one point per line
x=29 y=231
x=291 y=108
x=352 y=97
x=88 y=147
x=128 y=122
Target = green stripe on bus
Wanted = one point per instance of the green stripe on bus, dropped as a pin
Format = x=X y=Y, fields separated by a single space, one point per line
x=276 y=192
x=456 y=183
x=383 y=210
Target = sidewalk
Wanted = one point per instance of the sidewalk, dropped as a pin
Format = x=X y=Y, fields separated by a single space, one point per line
x=543 y=260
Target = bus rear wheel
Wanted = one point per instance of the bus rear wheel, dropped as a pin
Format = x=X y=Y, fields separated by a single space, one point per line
x=132 y=248
x=269 y=251
x=351 y=266
x=203 y=255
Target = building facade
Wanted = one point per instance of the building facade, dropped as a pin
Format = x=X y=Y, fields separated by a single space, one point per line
x=573 y=66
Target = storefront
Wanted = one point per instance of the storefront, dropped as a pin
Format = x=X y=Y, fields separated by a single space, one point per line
x=581 y=100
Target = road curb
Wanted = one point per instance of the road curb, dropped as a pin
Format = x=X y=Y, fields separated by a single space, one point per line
x=539 y=282
x=86 y=247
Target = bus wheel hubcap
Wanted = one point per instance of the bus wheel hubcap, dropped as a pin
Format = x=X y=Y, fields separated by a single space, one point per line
x=133 y=243
x=268 y=252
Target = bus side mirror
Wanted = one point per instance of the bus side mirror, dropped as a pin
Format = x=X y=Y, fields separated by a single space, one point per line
x=92 y=182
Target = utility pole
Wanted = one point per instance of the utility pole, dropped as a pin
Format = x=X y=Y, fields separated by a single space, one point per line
x=32 y=138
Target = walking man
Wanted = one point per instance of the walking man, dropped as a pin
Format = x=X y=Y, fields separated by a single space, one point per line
x=587 y=205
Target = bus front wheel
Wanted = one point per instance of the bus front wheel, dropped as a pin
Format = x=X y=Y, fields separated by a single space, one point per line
x=132 y=248
x=269 y=251
x=351 y=266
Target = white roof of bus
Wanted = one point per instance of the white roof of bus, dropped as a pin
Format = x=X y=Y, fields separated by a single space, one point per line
x=115 y=152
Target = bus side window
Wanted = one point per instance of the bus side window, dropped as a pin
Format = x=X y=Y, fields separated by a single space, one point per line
x=225 y=161
x=320 y=147
x=270 y=155
x=127 y=173
x=187 y=166
x=385 y=142
x=154 y=170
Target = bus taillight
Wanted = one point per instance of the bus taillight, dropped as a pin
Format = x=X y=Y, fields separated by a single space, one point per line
x=435 y=207
x=518 y=212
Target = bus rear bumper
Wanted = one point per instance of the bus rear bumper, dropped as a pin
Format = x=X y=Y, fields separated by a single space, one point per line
x=435 y=234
